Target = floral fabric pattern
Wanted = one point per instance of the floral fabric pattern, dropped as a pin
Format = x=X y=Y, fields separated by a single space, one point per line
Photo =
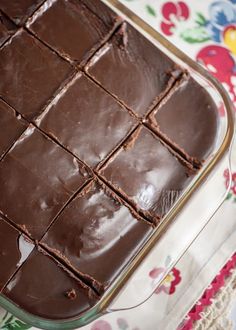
x=232 y=191
x=9 y=322
x=173 y=13
x=218 y=28
x=170 y=282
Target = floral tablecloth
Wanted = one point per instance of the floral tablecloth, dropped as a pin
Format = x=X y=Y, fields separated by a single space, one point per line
x=206 y=31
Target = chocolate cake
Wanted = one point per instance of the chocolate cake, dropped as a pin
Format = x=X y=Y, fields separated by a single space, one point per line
x=100 y=133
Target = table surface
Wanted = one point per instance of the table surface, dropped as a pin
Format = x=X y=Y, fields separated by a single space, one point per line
x=199 y=28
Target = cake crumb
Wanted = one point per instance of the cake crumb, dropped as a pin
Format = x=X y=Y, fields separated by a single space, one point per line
x=129 y=143
x=71 y=294
x=122 y=37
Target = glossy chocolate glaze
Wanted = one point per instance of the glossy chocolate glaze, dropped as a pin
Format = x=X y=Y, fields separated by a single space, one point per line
x=147 y=174
x=30 y=73
x=133 y=69
x=14 y=250
x=178 y=119
x=40 y=177
x=11 y=127
x=78 y=32
x=97 y=234
x=94 y=121
x=7 y=28
x=108 y=16
x=78 y=122
x=19 y=10
x=42 y=287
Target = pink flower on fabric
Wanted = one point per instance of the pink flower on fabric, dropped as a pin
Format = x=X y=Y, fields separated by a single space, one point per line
x=232 y=192
x=173 y=12
x=101 y=325
x=170 y=282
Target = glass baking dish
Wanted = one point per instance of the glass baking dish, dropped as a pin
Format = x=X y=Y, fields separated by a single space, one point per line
x=174 y=235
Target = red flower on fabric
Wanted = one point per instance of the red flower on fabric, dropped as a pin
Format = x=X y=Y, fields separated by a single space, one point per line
x=173 y=12
x=212 y=57
x=206 y=299
x=170 y=282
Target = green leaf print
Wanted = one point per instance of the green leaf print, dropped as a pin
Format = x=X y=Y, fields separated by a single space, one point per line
x=229 y=196
x=195 y=35
x=201 y=20
x=9 y=322
x=151 y=11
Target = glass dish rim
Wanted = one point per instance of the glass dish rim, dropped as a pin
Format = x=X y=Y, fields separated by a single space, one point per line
x=101 y=307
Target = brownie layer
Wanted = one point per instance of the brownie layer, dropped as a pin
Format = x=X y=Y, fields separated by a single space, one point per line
x=14 y=250
x=147 y=174
x=109 y=17
x=133 y=69
x=11 y=127
x=97 y=234
x=45 y=288
x=86 y=120
x=30 y=73
x=78 y=33
x=37 y=178
x=177 y=119
x=19 y=10
x=7 y=28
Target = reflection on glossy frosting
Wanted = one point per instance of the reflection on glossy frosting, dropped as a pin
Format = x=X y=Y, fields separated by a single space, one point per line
x=148 y=174
x=97 y=234
x=25 y=248
x=145 y=195
x=104 y=232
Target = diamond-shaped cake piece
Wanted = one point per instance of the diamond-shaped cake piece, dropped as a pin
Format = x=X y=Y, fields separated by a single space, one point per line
x=30 y=73
x=19 y=10
x=133 y=69
x=86 y=120
x=193 y=132
x=7 y=28
x=11 y=127
x=45 y=288
x=70 y=28
x=97 y=234
x=14 y=250
x=147 y=174
x=37 y=177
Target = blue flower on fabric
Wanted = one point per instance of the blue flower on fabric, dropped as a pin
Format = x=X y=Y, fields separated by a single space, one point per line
x=222 y=14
